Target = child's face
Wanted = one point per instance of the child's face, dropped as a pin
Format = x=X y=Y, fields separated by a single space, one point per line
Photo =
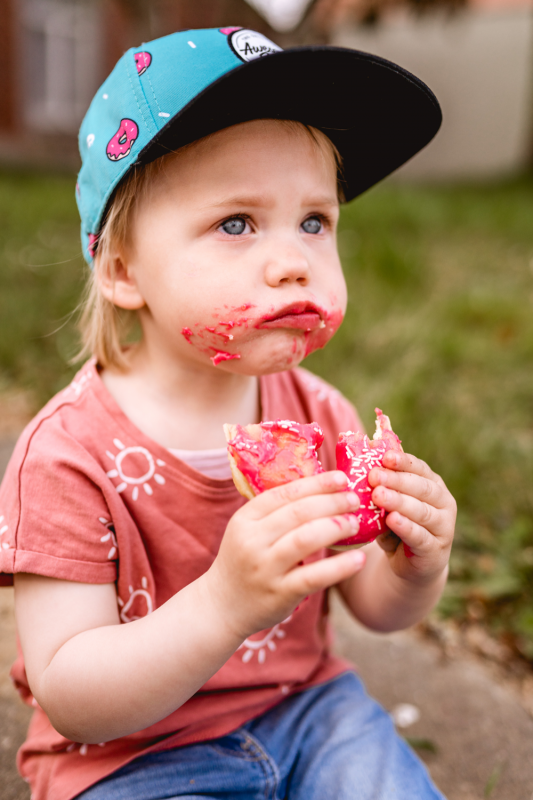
x=234 y=251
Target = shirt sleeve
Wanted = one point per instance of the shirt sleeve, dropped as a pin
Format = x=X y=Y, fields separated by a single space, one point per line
x=54 y=517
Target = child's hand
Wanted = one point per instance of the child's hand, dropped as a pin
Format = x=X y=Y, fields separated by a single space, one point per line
x=422 y=514
x=257 y=578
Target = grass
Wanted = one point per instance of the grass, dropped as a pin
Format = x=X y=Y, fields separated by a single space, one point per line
x=439 y=333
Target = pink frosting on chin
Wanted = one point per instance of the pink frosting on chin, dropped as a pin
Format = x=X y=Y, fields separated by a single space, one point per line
x=274 y=453
x=221 y=355
x=356 y=456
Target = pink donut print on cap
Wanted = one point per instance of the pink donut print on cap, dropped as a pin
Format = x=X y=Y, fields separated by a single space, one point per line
x=91 y=247
x=120 y=145
x=227 y=31
x=143 y=61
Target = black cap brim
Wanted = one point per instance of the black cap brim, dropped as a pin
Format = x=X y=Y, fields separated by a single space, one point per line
x=376 y=113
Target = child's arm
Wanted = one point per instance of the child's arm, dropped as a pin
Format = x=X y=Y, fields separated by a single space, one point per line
x=396 y=590
x=98 y=680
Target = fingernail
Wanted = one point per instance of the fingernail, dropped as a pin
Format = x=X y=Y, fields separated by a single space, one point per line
x=382 y=475
x=357 y=556
x=354 y=522
x=353 y=499
x=340 y=478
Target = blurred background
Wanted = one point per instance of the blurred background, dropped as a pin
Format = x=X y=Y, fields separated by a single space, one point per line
x=438 y=258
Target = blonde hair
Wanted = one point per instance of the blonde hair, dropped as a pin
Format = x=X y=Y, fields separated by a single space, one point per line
x=105 y=329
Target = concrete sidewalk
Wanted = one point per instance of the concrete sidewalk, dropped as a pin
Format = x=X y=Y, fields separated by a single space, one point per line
x=476 y=737
x=482 y=736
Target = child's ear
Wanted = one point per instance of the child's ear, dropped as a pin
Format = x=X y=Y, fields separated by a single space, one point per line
x=118 y=284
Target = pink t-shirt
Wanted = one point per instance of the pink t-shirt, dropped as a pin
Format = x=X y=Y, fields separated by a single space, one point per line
x=88 y=497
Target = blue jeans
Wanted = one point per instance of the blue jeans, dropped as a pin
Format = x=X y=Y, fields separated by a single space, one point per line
x=330 y=742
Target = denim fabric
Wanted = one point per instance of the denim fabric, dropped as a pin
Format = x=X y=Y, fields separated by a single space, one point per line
x=331 y=742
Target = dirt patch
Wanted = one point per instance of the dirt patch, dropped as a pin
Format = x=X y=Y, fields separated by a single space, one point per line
x=14 y=715
x=17 y=407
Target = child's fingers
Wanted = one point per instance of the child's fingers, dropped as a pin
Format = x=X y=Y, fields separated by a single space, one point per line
x=313 y=536
x=417 y=486
x=307 y=510
x=417 y=538
x=415 y=510
x=269 y=501
x=389 y=542
x=324 y=573
x=405 y=462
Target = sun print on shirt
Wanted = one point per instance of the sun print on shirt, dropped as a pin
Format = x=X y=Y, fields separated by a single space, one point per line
x=266 y=642
x=109 y=537
x=4 y=527
x=136 y=467
x=139 y=603
x=79 y=383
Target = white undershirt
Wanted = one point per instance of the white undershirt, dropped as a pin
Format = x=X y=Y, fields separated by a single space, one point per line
x=213 y=463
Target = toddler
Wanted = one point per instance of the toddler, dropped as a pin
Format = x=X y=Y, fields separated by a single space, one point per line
x=213 y=167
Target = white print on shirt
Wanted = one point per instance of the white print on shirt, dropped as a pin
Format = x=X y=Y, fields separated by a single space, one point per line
x=4 y=527
x=83 y=747
x=128 y=480
x=79 y=384
x=109 y=536
x=320 y=388
x=259 y=645
x=145 y=600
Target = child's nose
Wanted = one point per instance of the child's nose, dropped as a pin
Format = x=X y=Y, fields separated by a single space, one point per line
x=287 y=265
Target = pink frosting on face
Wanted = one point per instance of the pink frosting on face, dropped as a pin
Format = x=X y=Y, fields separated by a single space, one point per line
x=316 y=340
x=143 y=61
x=221 y=355
x=187 y=333
x=119 y=146
x=274 y=453
x=356 y=456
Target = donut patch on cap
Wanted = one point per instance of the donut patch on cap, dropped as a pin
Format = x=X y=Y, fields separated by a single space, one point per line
x=249 y=45
x=142 y=61
x=119 y=146
x=93 y=241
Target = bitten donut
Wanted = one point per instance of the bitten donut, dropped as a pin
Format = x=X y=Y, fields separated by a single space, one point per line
x=272 y=453
x=356 y=456
x=119 y=146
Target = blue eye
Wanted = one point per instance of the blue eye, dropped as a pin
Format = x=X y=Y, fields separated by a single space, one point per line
x=234 y=226
x=312 y=225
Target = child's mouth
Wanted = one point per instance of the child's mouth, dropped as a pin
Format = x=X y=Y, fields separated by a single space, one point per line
x=303 y=317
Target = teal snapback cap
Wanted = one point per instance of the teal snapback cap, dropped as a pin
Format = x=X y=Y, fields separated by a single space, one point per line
x=179 y=88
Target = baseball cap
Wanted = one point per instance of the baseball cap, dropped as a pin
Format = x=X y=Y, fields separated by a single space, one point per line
x=176 y=89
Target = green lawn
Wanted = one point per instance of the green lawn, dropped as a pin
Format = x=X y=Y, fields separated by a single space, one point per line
x=439 y=333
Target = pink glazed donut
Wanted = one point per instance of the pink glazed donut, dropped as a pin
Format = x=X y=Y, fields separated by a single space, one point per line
x=143 y=61
x=120 y=145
